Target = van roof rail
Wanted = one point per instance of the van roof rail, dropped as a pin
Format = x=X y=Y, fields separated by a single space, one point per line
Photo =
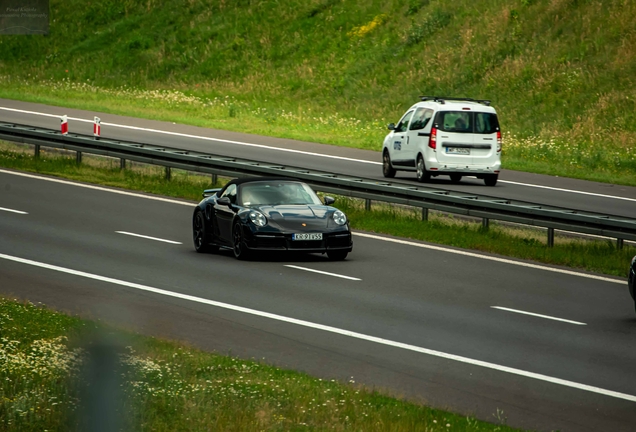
x=443 y=99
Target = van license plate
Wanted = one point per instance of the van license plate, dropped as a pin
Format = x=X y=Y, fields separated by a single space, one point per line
x=307 y=236
x=458 y=150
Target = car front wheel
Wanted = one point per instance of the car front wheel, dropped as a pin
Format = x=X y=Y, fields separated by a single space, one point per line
x=387 y=170
x=238 y=243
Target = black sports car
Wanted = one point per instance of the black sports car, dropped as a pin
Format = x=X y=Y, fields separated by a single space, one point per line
x=265 y=214
x=631 y=280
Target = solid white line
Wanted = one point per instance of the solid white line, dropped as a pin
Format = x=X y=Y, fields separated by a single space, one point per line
x=323 y=272
x=13 y=211
x=261 y=146
x=361 y=336
x=87 y=186
x=568 y=190
x=491 y=258
x=147 y=237
x=537 y=315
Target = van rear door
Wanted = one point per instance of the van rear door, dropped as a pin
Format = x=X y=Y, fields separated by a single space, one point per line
x=484 y=151
x=455 y=138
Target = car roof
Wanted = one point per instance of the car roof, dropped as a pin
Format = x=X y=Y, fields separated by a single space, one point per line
x=240 y=181
x=454 y=105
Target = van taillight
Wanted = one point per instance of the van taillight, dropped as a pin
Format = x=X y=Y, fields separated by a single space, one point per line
x=498 y=141
x=432 y=142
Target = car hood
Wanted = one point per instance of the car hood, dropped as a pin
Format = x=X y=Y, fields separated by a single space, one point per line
x=293 y=216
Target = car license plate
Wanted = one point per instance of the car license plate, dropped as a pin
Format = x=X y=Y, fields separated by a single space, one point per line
x=458 y=150
x=307 y=236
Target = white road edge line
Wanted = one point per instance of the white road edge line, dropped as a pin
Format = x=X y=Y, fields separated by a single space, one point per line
x=490 y=258
x=291 y=150
x=242 y=143
x=148 y=237
x=569 y=190
x=537 y=315
x=323 y=272
x=361 y=336
x=12 y=211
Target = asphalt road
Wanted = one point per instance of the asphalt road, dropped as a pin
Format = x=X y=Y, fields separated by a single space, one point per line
x=440 y=326
x=548 y=190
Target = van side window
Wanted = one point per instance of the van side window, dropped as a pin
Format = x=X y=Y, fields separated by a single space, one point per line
x=421 y=118
x=404 y=123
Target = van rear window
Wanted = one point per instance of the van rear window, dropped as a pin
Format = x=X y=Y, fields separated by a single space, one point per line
x=467 y=122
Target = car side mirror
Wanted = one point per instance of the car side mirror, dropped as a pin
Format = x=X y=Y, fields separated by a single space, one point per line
x=224 y=201
x=391 y=126
x=329 y=200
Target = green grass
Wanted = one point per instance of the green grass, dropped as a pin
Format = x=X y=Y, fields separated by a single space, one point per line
x=599 y=256
x=45 y=361
x=559 y=72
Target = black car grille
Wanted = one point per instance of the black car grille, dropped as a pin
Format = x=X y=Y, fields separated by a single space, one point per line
x=282 y=242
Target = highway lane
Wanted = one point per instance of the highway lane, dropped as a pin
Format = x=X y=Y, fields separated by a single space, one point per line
x=548 y=190
x=409 y=293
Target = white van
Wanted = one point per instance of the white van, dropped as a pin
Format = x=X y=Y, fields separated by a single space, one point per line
x=450 y=136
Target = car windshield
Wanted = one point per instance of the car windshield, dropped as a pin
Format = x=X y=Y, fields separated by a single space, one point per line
x=277 y=193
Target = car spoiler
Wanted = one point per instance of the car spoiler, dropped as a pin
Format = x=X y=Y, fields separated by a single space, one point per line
x=208 y=192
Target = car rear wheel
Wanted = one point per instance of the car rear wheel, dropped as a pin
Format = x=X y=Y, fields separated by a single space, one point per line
x=337 y=255
x=491 y=179
x=456 y=178
x=422 y=174
x=387 y=169
x=200 y=235
x=238 y=243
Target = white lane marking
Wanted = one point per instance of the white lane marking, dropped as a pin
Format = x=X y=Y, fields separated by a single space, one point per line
x=491 y=258
x=537 y=315
x=87 y=186
x=375 y=237
x=12 y=211
x=569 y=190
x=148 y=237
x=293 y=151
x=184 y=135
x=330 y=329
x=323 y=272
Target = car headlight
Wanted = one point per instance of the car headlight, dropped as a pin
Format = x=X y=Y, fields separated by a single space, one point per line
x=339 y=217
x=258 y=219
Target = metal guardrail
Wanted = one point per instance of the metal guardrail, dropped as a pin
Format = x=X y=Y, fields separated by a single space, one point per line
x=480 y=206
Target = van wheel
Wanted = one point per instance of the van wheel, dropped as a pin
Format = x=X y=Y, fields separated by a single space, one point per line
x=456 y=178
x=387 y=169
x=422 y=174
x=491 y=179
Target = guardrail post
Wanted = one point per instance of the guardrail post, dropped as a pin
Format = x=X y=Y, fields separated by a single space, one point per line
x=168 y=173
x=550 y=237
x=367 y=204
x=485 y=223
x=37 y=151
x=619 y=244
x=424 y=214
x=78 y=157
x=215 y=178
x=122 y=164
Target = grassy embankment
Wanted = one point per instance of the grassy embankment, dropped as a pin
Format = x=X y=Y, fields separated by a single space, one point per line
x=561 y=73
x=45 y=372
x=600 y=256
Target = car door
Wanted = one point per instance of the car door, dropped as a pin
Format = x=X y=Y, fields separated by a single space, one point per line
x=454 y=138
x=485 y=151
x=400 y=147
x=225 y=214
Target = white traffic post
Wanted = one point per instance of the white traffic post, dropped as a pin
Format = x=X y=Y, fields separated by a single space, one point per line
x=64 y=125
x=97 y=128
